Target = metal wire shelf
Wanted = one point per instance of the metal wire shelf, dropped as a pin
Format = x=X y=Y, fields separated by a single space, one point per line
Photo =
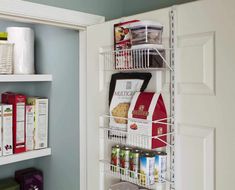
x=139 y=179
x=142 y=58
x=132 y=139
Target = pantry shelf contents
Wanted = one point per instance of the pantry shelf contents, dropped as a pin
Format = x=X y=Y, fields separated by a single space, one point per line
x=24 y=156
x=134 y=177
x=140 y=124
x=26 y=78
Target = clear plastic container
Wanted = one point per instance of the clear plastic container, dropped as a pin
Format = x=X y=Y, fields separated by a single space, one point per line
x=145 y=56
x=124 y=186
x=146 y=32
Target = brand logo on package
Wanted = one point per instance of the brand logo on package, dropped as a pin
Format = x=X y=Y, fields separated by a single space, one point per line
x=140 y=111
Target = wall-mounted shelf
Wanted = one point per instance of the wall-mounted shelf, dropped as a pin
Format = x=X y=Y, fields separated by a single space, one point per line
x=24 y=156
x=26 y=78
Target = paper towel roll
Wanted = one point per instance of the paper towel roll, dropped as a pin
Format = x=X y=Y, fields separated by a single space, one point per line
x=23 y=38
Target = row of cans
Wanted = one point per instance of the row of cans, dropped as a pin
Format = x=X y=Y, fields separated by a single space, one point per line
x=148 y=167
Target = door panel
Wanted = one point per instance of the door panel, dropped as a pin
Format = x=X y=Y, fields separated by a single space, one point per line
x=205 y=61
x=204 y=100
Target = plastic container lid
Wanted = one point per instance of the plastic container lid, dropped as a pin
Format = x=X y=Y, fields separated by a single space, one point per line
x=148 y=46
x=124 y=186
x=145 y=23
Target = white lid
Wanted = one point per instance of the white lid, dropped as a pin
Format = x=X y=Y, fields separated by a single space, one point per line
x=148 y=46
x=144 y=23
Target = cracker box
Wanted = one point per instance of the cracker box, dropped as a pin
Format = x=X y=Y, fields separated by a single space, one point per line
x=29 y=127
x=41 y=121
x=7 y=144
x=18 y=105
x=145 y=108
x=0 y=132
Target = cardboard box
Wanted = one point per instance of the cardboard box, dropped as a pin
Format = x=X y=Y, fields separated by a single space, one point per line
x=18 y=102
x=41 y=121
x=7 y=140
x=145 y=108
x=29 y=127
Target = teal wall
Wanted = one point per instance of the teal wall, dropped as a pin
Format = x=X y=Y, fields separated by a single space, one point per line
x=131 y=7
x=56 y=53
x=108 y=8
x=111 y=8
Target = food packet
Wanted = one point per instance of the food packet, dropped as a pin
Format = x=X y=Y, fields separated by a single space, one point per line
x=122 y=88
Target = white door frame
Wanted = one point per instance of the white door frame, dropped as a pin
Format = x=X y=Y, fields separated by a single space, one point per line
x=22 y=11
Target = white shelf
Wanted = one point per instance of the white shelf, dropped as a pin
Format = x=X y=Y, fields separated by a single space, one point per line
x=24 y=156
x=26 y=78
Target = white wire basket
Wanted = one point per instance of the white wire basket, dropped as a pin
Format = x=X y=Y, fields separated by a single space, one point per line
x=131 y=139
x=139 y=179
x=140 y=58
x=6 y=57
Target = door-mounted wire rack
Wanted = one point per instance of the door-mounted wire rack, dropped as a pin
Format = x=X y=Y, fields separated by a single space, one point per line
x=138 y=58
x=144 y=180
x=125 y=137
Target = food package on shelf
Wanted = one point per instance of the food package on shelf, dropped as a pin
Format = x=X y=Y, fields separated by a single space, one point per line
x=18 y=104
x=6 y=128
x=122 y=42
x=41 y=121
x=122 y=88
x=29 y=178
x=9 y=184
x=145 y=108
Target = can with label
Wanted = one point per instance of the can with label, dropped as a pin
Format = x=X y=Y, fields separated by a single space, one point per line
x=135 y=163
x=115 y=158
x=125 y=160
x=147 y=160
x=160 y=167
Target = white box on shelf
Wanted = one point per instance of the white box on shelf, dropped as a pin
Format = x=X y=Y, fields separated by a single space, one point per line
x=7 y=136
x=41 y=121
x=30 y=109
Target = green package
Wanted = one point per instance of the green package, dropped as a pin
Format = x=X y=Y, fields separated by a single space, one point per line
x=9 y=184
x=3 y=35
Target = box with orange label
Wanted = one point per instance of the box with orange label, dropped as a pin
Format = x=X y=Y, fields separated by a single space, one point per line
x=145 y=108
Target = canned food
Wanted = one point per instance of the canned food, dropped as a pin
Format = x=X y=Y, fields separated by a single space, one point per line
x=147 y=160
x=124 y=160
x=160 y=166
x=134 y=163
x=115 y=158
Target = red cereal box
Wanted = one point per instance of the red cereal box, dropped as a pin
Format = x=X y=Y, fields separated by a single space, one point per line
x=18 y=102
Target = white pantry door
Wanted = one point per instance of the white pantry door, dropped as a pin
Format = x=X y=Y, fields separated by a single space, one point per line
x=205 y=91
